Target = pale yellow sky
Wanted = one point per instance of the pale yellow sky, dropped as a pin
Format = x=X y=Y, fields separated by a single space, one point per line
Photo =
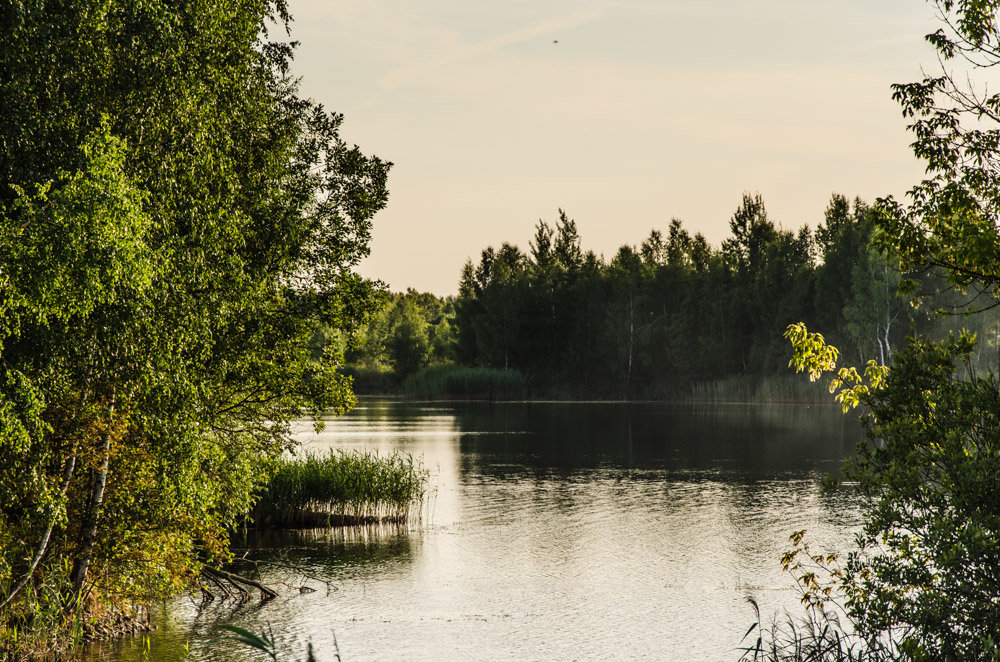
x=643 y=111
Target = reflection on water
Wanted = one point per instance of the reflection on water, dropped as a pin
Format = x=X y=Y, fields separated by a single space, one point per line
x=554 y=531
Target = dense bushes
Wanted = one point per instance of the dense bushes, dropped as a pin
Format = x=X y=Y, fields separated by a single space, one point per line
x=175 y=224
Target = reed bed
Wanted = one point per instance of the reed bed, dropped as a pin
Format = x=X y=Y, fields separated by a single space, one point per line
x=342 y=488
x=455 y=382
x=760 y=390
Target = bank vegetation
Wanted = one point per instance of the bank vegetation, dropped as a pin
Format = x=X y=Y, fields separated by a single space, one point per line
x=175 y=224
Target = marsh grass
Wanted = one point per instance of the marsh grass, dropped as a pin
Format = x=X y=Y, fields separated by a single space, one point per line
x=760 y=390
x=342 y=488
x=455 y=382
x=819 y=636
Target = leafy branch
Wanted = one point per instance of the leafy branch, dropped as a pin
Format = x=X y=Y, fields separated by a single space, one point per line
x=812 y=354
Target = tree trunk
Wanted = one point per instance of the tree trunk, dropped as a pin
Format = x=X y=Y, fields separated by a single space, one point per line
x=88 y=536
x=885 y=336
x=44 y=542
x=47 y=536
x=631 y=342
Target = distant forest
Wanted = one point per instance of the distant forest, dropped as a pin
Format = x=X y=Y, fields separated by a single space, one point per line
x=658 y=318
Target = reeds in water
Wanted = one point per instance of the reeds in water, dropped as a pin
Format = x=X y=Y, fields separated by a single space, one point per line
x=342 y=488
x=455 y=382
x=760 y=390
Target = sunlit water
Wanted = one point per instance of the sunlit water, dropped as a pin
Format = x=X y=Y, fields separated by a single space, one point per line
x=553 y=532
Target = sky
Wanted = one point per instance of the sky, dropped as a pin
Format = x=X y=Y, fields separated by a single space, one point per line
x=625 y=114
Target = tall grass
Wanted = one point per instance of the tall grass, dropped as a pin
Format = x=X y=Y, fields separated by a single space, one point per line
x=759 y=390
x=342 y=488
x=817 y=637
x=455 y=382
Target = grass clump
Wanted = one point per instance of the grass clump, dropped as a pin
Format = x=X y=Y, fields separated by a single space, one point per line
x=455 y=382
x=817 y=637
x=342 y=488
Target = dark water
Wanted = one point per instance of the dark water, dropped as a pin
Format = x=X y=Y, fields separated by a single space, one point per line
x=554 y=531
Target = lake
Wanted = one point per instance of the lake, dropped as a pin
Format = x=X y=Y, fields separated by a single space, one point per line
x=553 y=531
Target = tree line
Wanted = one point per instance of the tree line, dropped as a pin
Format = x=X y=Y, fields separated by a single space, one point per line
x=410 y=331
x=668 y=313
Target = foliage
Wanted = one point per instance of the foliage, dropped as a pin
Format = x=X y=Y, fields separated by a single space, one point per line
x=924 y=580
x=175 y=224
x=930 y=576
x=925 y=577
x=409 y=345
x=410 y=331
x=811 y=354
x=933 y=532
x=949 y=225
x=874 y=305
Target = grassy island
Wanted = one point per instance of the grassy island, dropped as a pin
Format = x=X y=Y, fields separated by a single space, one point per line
x=341 y=488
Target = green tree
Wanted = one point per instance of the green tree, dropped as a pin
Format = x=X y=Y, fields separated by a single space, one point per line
x=923 y=584
x=424 y=315
x=175 y=224
x=548 y=314
x=934 y=579
x=925 y=580
x=770 y=274
x=950 y=224
x=492 y=297
x=566 y=245
x=927 y=572
x=842 y=241
x=409 y=343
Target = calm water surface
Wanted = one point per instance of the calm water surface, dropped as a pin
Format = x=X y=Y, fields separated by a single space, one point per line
x=554 y=531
